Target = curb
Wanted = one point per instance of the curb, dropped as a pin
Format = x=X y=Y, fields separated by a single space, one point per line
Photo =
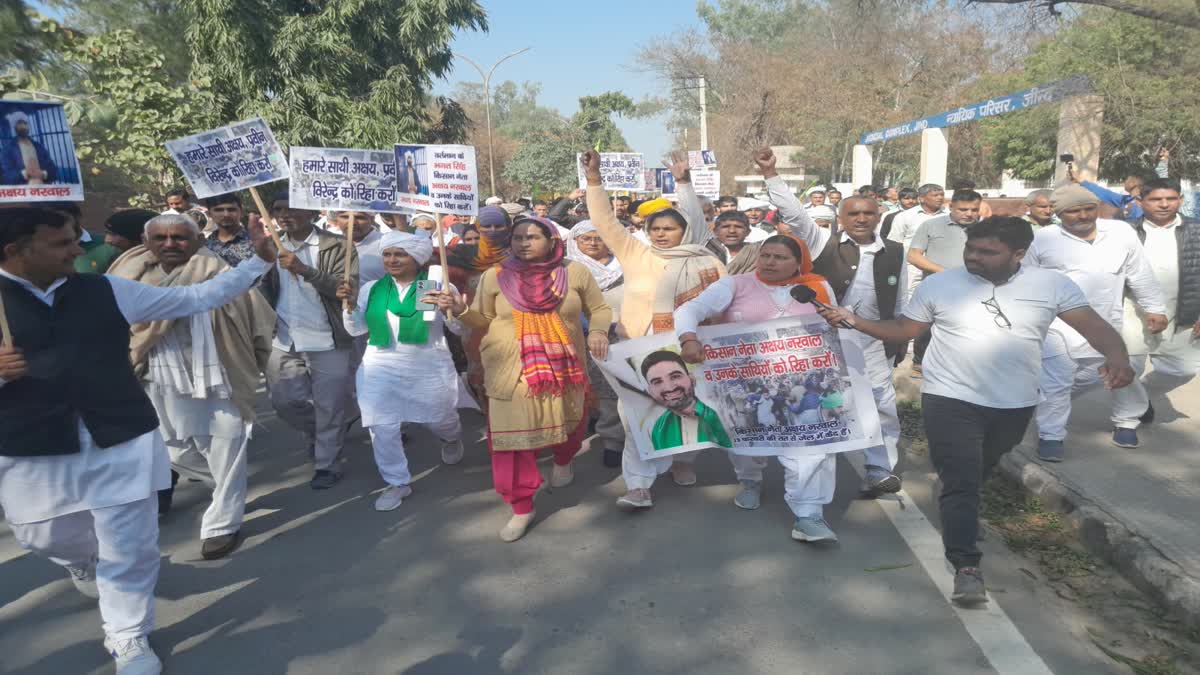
x=1104 y=535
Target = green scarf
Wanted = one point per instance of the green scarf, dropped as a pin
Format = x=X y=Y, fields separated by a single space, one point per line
x=385 y=298
x=668 y=430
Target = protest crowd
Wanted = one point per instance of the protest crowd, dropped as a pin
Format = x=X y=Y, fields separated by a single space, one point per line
x=389 y=318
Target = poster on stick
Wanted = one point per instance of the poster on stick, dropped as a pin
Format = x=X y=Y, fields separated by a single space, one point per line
x=699 y=159
x=231 y=158
x=788 y=386
x=437 y=178
x=618 y=171
x=343 y=179
x=37 y=154
x=705 y=182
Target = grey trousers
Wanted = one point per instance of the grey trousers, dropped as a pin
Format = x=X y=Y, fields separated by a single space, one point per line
x=308 y=391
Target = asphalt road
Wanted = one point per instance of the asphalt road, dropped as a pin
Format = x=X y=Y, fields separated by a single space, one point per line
x=324 y=584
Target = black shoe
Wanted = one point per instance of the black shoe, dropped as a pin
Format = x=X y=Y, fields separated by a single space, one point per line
x=968 y=587
x=220 y=546
x=324 y=479
x=612 y=459
x=1148 y=416
x=165 y=497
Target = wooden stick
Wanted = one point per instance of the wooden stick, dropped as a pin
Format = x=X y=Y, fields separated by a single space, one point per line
x=7 y=341
x=348 y=304
x=442 y=255
x=266 y=216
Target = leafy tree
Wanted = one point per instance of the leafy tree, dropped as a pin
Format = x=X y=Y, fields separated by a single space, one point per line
x=546 y=160
x=762 y=21
x=130 y=109
x=595 y=124
x=1184 y=13
x=159 y=23
x=351 y=73
x=1149 y=105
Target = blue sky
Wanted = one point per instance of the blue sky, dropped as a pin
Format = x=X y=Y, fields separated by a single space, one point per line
x=578 y=49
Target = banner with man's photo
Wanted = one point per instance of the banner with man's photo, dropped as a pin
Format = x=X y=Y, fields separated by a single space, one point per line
x=788 y=386
x=37 y=154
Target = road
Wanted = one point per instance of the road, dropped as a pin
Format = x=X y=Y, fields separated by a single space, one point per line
x=324 y=584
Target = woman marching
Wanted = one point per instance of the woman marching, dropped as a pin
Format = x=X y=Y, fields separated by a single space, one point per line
x=674 y=268
x=407 y=373
x=585 y=247
x=530 y=307
x=783 y=263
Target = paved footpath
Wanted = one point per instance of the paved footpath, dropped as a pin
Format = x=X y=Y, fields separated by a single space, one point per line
x=1143 y=503
x=326 y=585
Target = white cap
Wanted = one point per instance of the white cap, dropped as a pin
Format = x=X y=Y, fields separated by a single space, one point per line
x=493 y=201
x=747 y=203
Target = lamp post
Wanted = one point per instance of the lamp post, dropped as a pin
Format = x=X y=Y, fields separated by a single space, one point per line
x=487 y=105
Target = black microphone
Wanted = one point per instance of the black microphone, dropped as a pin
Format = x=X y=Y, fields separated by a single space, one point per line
x=806 y=295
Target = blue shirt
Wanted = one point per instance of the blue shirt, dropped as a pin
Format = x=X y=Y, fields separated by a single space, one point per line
x=1126 y=203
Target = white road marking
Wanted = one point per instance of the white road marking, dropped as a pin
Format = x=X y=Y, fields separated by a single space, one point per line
x=1003 y=645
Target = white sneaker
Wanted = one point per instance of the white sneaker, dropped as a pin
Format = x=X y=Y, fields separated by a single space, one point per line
x=134 y=656
x=84 y=579
x=392 y=497
x=452 y=452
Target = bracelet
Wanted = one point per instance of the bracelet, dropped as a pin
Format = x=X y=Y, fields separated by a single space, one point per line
x=598 y=331
x=463 y=313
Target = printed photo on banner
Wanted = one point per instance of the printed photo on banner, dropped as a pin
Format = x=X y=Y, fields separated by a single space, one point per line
x=618 y=171
x=783 y=387
x=231 y=158
x=437 y=178
x=343 y=179
x=699 y=159
x=37 y=154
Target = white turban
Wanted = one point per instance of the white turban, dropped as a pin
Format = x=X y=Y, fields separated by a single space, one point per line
x=747 y=203
x=413 y=221
x=493 y=201
x=17 y=116
x=418 y=245
x=822 y=213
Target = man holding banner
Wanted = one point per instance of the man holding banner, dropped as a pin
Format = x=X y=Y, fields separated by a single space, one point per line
x=80 y=454
x=309 y=371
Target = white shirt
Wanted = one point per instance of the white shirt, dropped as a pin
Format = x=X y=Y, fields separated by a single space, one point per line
x=1162 y=250
x=756 y=235
x=33 y=489
x=1102 y=268
x=974 y=356
x=860 y=297
x=370 y=257
x=302 y=322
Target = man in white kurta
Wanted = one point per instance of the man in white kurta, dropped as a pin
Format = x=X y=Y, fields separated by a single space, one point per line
x=201 y=373
x=95 y=511
x=1168 y=239
x=1103 y=257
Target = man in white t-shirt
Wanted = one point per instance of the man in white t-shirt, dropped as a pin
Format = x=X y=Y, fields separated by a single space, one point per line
x=989 y=319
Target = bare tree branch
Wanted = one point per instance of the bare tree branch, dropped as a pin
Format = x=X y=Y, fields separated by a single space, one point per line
x=1157 y=11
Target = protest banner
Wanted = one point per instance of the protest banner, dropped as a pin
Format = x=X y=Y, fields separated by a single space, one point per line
x=231 y=158
x=37 y=154
x=437 y=178
x=343 y=179
x=706 y=182
x=618 y=171
x=700 y=159
x=788 y=386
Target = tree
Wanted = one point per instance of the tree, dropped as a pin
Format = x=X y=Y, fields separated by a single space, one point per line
x=133 y=107
x=1148 y=106
x=595 y=124
x=350 y=73
x=545 y=161
x=159 y=23
x=1184 y=13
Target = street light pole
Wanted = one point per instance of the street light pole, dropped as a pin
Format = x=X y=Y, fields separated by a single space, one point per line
x=487 y=105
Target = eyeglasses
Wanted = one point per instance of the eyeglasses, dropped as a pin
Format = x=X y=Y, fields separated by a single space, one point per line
x=993 y=308
x=588 y=240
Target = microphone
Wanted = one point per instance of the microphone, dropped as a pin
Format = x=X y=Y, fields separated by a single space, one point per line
x=806 y=295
